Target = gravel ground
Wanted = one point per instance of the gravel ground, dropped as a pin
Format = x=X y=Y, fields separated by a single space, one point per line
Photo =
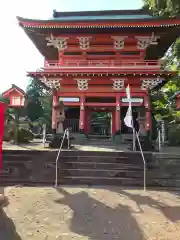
x=89 y=213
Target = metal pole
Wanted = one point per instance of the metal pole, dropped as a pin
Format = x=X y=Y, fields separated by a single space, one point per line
x=44 y=134
x=16 y=124
x=163 y=132
x=57 y=158
x=134 y=134
x=134 y=140
x=143 y=161
x=68 y=139
x=159 y=139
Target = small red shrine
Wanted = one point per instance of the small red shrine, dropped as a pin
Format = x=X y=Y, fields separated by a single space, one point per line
x=15 y=95
x=90 y=57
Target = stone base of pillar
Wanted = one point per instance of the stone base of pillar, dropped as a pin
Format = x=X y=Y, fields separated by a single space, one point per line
x=118 y=132
x=117 y=136
x=83 y=134
x=53 y=131
x=81 y=131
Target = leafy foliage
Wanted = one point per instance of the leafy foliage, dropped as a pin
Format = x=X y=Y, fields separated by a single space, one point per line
x=38 y=103
x=4 y=100
x=174 y=134
x=24 y=135
x=37 y=111
x=163 y=105
x=34 y=109
x=163 y=7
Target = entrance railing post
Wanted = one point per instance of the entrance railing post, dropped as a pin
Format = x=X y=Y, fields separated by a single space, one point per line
x=66 y=133
x=144 y=161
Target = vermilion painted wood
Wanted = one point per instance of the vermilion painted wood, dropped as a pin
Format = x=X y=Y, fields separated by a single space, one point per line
x=14 y=93
x=2 y=111
x=132 y=68
x=101 y=71
x=69 y=104
x=104 y=63
x=101 y=94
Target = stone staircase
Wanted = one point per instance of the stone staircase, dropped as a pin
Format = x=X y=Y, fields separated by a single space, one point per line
x=75 y=167
x=124 y=169
x=103 y=168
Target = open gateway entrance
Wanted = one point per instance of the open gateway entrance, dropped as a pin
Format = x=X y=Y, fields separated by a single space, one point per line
x=100 y=123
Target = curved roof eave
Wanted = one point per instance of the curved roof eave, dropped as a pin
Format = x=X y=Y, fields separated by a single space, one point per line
x=135 y=21
x=164 y=44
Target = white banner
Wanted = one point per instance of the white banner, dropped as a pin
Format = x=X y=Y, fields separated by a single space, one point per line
x=128 y=120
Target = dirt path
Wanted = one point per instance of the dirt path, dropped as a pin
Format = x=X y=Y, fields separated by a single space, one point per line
x=83 y=213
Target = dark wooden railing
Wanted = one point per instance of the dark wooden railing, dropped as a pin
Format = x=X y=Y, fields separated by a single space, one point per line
x=102 y=64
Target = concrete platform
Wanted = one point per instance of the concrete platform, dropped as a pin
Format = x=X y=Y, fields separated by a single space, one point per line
x=88 y=146
x=104 y=146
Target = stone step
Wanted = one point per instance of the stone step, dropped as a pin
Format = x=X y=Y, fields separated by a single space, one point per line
x=103 y=159
x=107 y=159
x=33 y=153
x=102 y=173
x=91 y=180
x=8 y=182
x=99 y=165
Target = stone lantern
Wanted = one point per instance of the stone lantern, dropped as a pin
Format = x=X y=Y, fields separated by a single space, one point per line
x=142 y=130
x=58 y=136
x=60 y=117
x=145 y=141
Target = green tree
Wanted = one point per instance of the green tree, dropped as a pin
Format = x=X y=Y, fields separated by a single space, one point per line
x=34 y=109
x=38 y=102
x=163 y=7
x=162 y=105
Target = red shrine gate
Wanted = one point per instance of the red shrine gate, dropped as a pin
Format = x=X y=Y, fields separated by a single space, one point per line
x=116 y=105
x=90 y=57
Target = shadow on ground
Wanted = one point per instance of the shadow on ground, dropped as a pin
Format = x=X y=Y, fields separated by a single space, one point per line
x=7 y=227
x=97 y=221
x=172 y=213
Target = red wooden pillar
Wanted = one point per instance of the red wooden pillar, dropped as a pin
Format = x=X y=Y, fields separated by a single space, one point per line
x=148 y=117
x=117 y=114
x=2 y=110
x=82 y=115
x=85 y=121
x=54 y=104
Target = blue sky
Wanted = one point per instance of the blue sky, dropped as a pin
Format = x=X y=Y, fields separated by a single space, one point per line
x=18 y=54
